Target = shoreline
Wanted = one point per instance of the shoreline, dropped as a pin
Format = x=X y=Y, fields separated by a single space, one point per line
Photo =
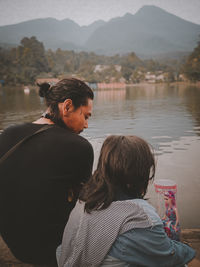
x=189 y=236
x=197 y=84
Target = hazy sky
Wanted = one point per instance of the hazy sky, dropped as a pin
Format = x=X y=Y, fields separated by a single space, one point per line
x=85 y=12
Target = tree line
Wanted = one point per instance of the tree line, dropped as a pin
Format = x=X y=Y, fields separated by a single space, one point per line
x=191 y=68
x=29 y=61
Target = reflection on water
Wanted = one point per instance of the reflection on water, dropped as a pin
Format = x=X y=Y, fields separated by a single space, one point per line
x=109 y=96
x=168 y=117
x=158 y=113
x=17 y=107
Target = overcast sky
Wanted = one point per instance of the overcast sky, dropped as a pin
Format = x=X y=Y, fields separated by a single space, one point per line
x=85 y=12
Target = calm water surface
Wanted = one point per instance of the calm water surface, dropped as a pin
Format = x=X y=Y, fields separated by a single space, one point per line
x=167 y=116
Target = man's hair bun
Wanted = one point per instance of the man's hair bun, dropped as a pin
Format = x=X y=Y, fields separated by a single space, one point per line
x=43 y=89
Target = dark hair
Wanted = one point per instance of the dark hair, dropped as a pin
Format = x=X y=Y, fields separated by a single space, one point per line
x=71 y=88
x=126 y=163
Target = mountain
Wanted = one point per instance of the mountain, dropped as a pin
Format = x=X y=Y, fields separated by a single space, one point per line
x=87 y=31
x=49 y=31
x=64 y=34
x=149 y=32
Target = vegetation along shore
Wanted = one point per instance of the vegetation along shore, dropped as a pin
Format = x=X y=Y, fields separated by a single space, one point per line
x=30 y=61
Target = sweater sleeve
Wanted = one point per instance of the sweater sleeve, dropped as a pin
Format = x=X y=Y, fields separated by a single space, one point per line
x=85 y=159
x=151 y=247
x=81 y=158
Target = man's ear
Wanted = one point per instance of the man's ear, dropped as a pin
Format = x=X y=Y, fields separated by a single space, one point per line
x=67 y=106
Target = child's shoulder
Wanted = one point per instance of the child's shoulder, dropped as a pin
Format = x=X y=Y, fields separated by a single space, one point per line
x=149 y=210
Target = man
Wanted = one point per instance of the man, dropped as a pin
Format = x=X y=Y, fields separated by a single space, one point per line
x=41 y=179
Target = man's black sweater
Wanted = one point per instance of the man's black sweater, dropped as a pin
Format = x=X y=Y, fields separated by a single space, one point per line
x=34 y=185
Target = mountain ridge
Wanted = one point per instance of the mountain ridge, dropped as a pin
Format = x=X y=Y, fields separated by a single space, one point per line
x=150 y=31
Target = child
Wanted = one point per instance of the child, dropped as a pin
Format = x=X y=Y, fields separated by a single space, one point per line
x=171 y=218
x=112 y=224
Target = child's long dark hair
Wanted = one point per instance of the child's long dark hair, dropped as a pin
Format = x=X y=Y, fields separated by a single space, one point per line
x=126 y=163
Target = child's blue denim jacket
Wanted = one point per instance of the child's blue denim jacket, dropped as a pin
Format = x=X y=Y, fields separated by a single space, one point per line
x=148 y=246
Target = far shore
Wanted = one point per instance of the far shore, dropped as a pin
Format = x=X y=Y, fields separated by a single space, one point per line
x=163 y=83
x=125 y=85
x=189 y=236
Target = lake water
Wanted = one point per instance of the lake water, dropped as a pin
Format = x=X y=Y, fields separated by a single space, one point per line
x=167 y=116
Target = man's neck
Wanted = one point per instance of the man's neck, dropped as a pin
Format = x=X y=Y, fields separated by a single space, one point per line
x=43 y=121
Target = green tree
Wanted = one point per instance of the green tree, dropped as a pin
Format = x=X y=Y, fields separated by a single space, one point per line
x=191 y=69
x=29 y=60
x=126 y=73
